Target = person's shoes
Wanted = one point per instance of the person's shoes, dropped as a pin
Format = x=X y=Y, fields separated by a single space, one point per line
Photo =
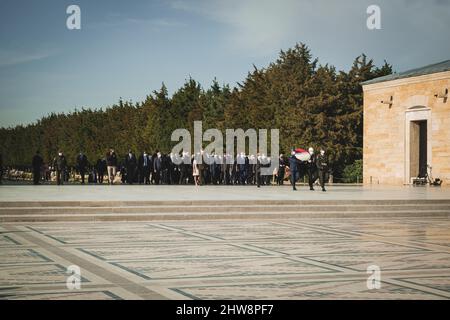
x=294 y=189
x=323 y=189
x=311 y=188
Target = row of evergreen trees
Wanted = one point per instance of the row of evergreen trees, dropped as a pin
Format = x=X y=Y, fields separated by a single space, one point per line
x=311 y=104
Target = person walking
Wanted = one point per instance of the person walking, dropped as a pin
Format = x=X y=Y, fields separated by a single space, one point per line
x=293 y=166
x=82 y=163
x=311 y=166
x=60 y=165
x=195 y=172
x=200 y=159
x=111 y=165
x=157 y=166
x=322 y=166
x=184 y=168
x=37 y=164
x=101 y=168
x=131 y=165
x=144 y=168
x=258 y=170
x=281 y=170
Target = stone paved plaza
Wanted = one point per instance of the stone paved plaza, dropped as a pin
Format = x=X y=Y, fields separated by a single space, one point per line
x=119 y=192
x=310 y=258
x=286 y=259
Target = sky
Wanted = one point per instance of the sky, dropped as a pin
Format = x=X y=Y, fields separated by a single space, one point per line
x=128 y=48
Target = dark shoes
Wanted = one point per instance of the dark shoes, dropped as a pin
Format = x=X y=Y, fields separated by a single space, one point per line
x=323 y=189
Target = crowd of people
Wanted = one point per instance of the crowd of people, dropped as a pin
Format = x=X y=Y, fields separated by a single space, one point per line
x=172 y=169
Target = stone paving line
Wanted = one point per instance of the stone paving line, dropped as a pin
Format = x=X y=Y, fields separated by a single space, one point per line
x=109 y=276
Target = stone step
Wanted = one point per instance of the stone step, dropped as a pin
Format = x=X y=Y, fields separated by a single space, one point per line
x=29 y=211
x=158 y=216
x=221 y=208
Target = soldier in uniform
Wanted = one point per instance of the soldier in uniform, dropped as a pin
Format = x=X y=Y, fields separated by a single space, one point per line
x=322 y=166
x=311 y=168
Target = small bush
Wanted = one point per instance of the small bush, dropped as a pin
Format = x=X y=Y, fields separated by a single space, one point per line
x=353 y=173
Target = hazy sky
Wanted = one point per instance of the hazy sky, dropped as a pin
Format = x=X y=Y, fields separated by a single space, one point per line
x=127 y=48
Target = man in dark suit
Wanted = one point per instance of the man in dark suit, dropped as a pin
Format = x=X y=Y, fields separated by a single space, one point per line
x=101 y=169
x=242 y=168
x=293 y=166
x=174 y=171
x=311 y=168
x=37 y=164
x=82 y=163
x=60 y=165
x=258 y=170
x=144 y=164
x=184 y=168
x=201 y=167
x=123 y=172
x=157 y=167
x=130 y=164
x=229 y=160
x=212 y=168
x=322 y=166
x=165 y=169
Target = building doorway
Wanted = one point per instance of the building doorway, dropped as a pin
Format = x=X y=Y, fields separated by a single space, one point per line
x=418 y=148
x=417 y=142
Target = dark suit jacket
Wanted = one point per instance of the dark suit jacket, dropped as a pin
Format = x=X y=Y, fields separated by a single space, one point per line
x=130 y=162
x=101 y=165
x=293 y=162
x=37 y=162
x=141 y=161
x=82 y=162
x=157 y=164
x=111 y=160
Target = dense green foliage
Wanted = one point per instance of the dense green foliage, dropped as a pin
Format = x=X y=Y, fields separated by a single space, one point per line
x=353 y=172
x=311 y=104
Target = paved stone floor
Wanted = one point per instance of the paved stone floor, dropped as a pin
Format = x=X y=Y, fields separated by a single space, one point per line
x=173 y=193
x=276 y=259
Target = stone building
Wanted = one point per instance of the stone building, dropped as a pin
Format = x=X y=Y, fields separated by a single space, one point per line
x=407 y=126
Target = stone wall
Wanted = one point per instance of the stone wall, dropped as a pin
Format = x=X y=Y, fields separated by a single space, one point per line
x=386 y=135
